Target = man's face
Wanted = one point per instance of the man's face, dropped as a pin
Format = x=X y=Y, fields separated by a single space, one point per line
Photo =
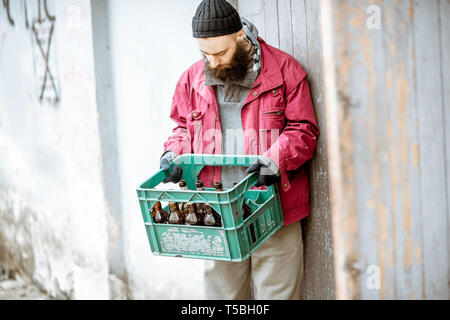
x=226 y=56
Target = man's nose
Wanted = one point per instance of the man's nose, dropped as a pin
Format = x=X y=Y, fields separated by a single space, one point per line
x=214 y=62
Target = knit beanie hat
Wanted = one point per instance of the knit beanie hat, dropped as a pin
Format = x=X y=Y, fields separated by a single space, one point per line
x=215 y=18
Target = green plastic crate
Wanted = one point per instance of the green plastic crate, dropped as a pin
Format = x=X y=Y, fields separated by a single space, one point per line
x=237 y=239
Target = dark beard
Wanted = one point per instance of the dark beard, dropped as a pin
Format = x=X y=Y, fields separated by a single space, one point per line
x=236 y=70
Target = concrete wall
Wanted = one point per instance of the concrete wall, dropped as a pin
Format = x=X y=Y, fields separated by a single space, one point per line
x=52 y=205
x=107 y=122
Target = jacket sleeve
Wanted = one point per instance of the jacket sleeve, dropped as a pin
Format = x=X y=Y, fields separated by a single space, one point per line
x=179 y=141
x=298 y=140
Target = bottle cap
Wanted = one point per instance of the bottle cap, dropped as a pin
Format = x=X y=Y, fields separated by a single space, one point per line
x=199 y=183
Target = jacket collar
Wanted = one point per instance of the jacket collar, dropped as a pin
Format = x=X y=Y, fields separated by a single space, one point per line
x=269 y=77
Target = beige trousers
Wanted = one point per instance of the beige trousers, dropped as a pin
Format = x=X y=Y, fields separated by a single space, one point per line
x=273 y=272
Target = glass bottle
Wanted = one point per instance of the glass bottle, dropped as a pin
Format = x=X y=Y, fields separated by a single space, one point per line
x=209 y=219
x=183 y=186
x=201 y=211
x=246 y=210
x=159 y=215
x=176 y=216
x=193 y=218
x=219 y=188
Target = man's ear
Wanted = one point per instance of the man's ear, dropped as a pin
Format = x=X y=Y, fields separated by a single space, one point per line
x=240 y=34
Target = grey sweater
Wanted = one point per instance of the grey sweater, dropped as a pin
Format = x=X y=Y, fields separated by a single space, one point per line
x=230 y=99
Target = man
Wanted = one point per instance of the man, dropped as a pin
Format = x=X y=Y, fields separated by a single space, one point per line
x=246 y=97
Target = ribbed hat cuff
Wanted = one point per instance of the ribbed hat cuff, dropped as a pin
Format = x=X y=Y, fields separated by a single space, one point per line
x=205 y=28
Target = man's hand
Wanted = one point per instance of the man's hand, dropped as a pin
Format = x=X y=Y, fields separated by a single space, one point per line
x=267 y=170
x=176 y=173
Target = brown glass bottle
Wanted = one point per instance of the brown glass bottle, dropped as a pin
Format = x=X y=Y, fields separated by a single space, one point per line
x=246 y=210
x=183 y=186
x=176 y=216
x=219 y=188
x=209 y=219
x=201 y=210
x=193 y=218
x=159 y=215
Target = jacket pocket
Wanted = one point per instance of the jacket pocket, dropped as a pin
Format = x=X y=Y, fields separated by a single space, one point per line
x=272 y=118
x=299 y=193
x=195 y=121
x=196 y=115
x=271 y=123
x=275 y=113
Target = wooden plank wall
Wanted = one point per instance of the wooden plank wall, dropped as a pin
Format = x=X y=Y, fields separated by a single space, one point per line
x=387 y=97
x=293 y=26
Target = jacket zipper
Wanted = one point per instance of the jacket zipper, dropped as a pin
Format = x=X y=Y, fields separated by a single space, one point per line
x=199 y=138
x=214 y=147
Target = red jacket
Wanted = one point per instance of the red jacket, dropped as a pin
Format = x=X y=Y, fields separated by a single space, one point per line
x=277 y=119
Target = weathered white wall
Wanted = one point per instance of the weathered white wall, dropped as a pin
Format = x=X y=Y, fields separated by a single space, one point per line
x=52 y=208
x=151 y=45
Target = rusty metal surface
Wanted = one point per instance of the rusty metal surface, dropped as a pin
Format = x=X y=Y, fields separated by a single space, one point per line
x=386 y=106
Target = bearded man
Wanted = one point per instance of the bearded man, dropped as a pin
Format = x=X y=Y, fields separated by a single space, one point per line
x=246 y=97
